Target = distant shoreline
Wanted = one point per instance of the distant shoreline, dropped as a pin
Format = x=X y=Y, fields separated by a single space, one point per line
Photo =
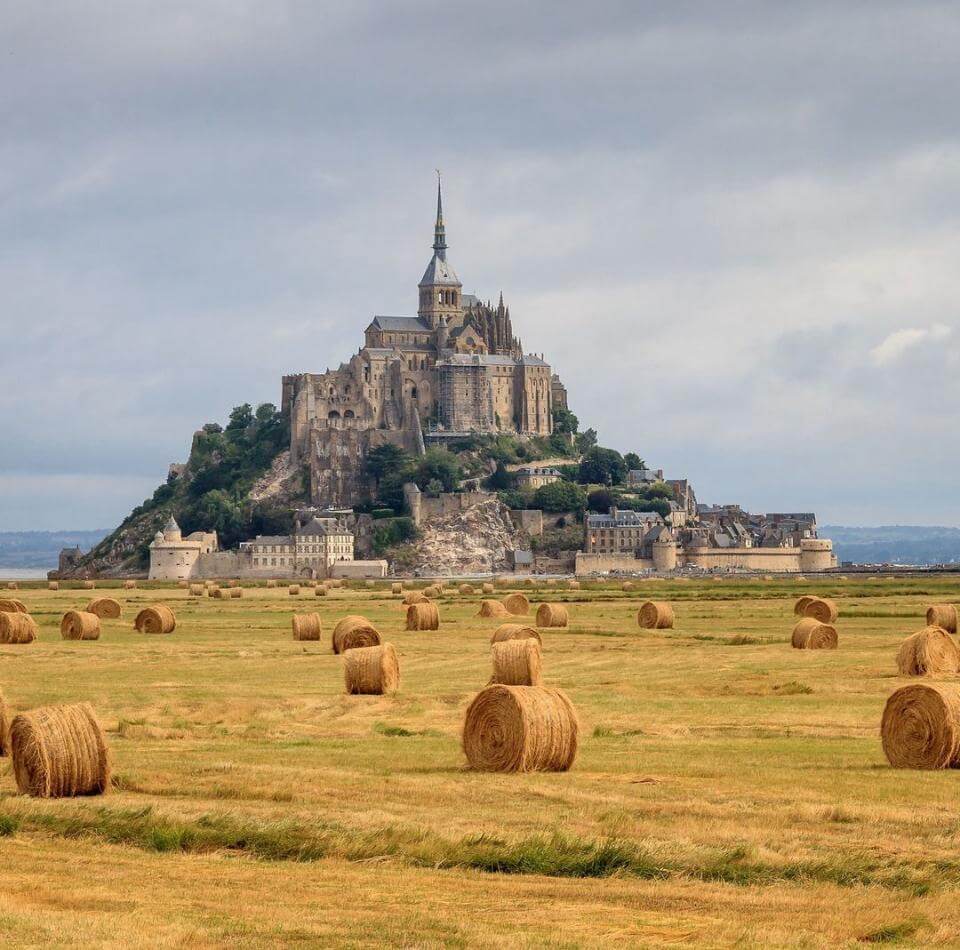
x=25 y=573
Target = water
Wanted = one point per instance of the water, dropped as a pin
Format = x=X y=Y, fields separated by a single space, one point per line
x=24 y=573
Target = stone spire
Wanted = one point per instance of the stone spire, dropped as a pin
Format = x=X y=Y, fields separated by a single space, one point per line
x=439 y=233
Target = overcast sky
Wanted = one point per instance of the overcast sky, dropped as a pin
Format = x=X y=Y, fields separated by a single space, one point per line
x=731 y=227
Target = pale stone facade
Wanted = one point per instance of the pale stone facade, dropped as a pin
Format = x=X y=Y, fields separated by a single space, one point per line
x=456 y=367
x=533 y=477
x=312 y=549
x=175 y=558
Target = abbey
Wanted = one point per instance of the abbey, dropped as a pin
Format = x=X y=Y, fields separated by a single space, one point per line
x=454 y=368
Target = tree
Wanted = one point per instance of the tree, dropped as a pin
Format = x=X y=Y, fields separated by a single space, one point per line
x=565 y=421
x=633 y=462
x=602 y=467
x=241 y=418
x=586 y=440
x=501 y=479
x=438 y=465
x=601 y=500
x=386 y=459
x=560 y=496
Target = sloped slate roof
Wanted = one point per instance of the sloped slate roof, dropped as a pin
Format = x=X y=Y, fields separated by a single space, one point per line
x=410 y=324
x=439 y=272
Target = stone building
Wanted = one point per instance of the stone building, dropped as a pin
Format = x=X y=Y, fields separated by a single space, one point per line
x=175 y=558
x=455 y=367
x=531 y=476
x=312 y=549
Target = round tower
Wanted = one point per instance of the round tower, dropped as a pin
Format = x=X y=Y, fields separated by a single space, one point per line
x=664 y=553
x=816 y=554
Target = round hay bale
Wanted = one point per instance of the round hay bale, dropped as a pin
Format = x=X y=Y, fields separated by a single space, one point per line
x=396 y=588
x=354 y=631
x=105 y=607
x=529 y=582
x=811 y=634
x=196 y=590
x=516 y=604
x=466 y=589
x=655 y=615
x=156 y=619
x=233 y=582
x=218 y=593
x=515 y=631
x=80 y=625
x=424 y=616
x=487 y=588
x=320 y=591
x=132 y=585
x=821 y=609
x=552 y=615
x=928 y=652
x=492 y=608
x=236 y=592
x=89 y=585
x=942 y=615
x=12 y=585
x=371 y=671
x=430 y=592
x=415 y=597
x=53 y=585
x=628 y=586
x=294 y=590
x=271 y=583
x=573 y=585
x=800 y=579
x=802 y=603
x=182 y=584
x=520 y=729
x=17 y=628
x=59 y=751
x=516 y=662
x=306 y=626
x=370 y=584
x=920 y=728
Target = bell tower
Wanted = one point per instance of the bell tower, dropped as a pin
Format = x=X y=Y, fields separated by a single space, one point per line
x=441 y=293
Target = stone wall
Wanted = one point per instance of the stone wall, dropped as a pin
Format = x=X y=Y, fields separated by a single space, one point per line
x=359 y=569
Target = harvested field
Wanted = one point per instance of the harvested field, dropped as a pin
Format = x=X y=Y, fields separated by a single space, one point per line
x=235 y=748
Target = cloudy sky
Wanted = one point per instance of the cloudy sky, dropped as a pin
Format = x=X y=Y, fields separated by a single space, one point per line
x=731 y=227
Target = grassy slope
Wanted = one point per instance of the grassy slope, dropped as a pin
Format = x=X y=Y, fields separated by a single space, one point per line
x=727 y=787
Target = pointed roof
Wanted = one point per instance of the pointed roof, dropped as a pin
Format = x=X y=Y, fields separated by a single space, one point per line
x=438 y=270
x=171 y=525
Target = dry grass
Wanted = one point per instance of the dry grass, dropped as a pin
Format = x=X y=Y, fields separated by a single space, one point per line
x=727 y=789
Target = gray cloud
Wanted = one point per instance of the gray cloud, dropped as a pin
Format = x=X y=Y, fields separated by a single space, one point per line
x=731 y=227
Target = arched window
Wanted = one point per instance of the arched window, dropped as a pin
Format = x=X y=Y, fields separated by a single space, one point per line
x=348 y=414
x=333 y=414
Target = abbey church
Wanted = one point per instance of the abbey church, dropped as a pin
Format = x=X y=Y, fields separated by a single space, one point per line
x=455 y=368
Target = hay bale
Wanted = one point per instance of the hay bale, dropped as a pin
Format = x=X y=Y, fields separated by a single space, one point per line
x=944 y=616
x=811 y=634
x=17 y=628
x=217 y=593
x=370 y=584
x=466 y=589
x=371 y=671
x=802 y=603
x=516 y=604
x=492 y=608
x=430 y=592
x=9 y=606
x=819 y=608
x=12 y=585
x=486 y=588
x=104 y=607
x=233 y=582
x=59 y=751
x=196 y=590
x=514 y=631
x=520 y=729
x=628 y=586
x=354 y=631
x=920 y=728
x=236 y=592
x=89 y=585
x=53 y=585
x=132 y=585
x=396 y=588
x=655 y=615
x=516 y=662
x=320 y=591
x=415 y=597
x=529 y=582
x=552 y=615
x=156 y=619
x=928 y=652
x=80 y=625
x=573 y=585
x=423 y=617
x=271 y=583
x=183 y=584
x=306 y=626
x=294 y=590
